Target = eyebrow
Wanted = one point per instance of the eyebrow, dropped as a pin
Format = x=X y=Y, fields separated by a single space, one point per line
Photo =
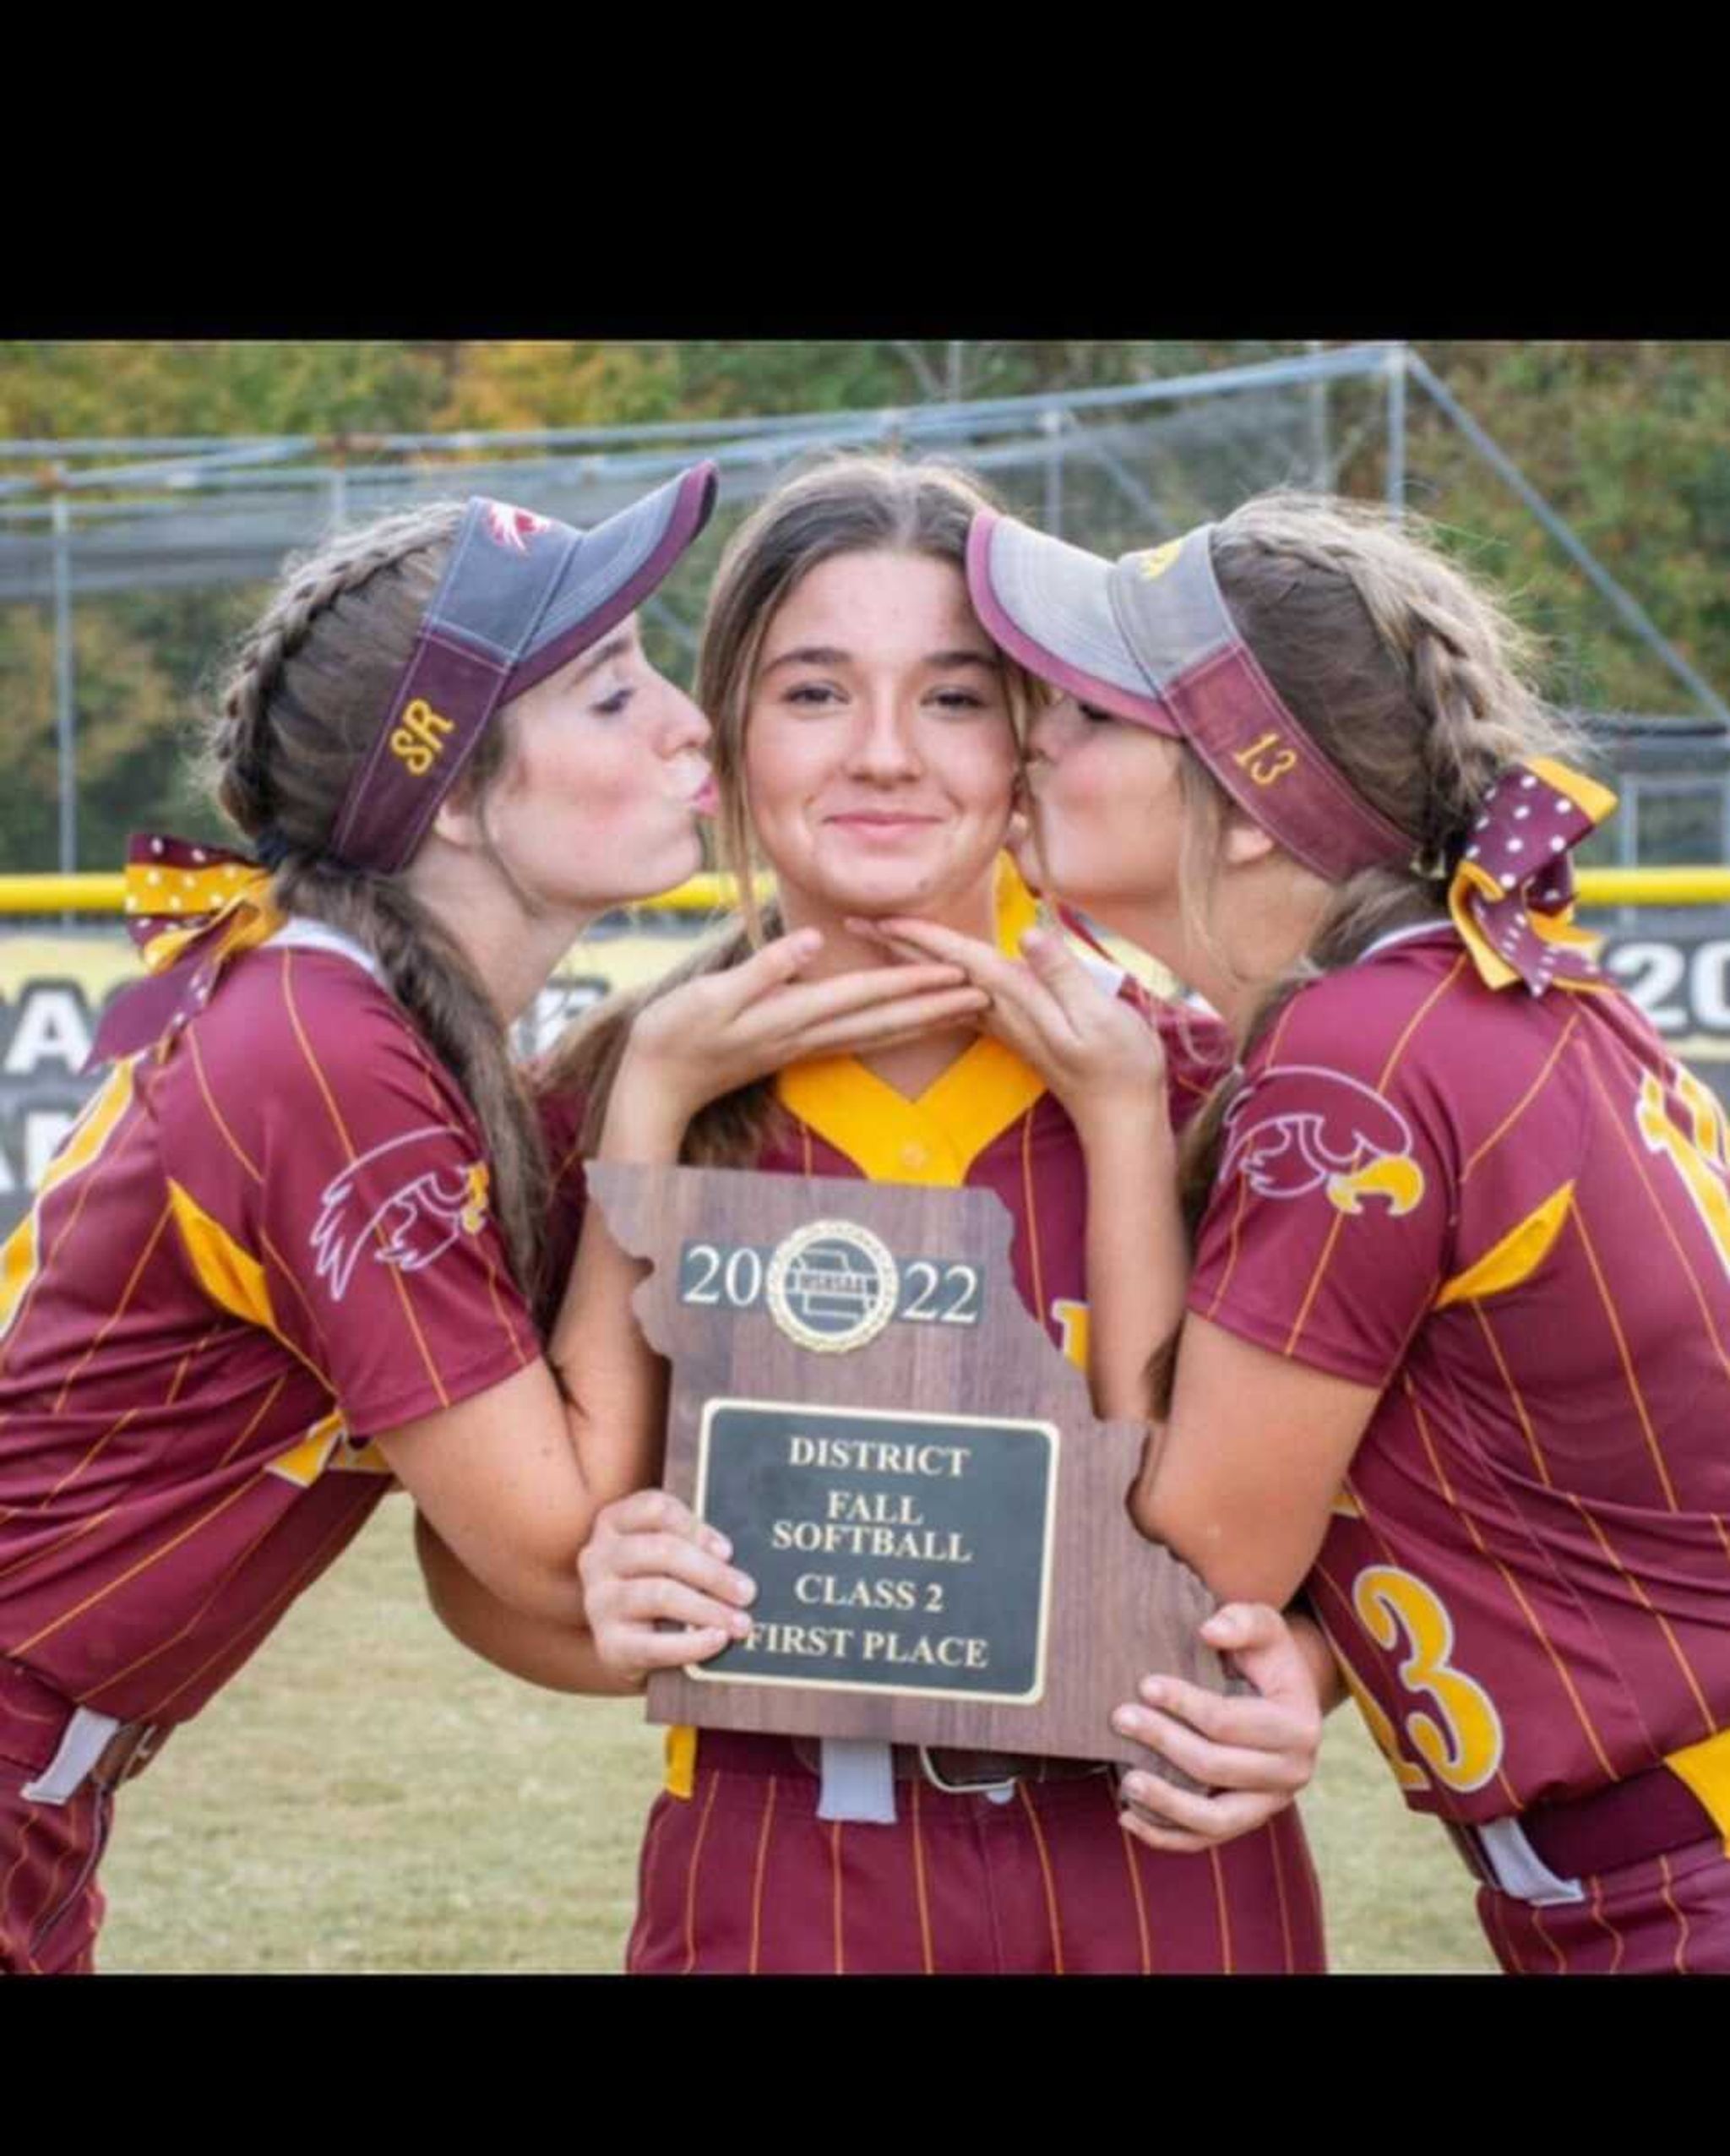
x=614 y=648
x=828 y=655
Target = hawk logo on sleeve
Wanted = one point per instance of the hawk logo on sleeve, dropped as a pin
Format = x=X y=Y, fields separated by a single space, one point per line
x=1328 y=1133
x=406 y=1201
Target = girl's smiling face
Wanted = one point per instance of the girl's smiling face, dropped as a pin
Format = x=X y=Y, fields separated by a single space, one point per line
x=879 y=756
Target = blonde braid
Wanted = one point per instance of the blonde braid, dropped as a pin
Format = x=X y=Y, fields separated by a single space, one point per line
x=239 y=748
x=300 y=711
x=1410 y=678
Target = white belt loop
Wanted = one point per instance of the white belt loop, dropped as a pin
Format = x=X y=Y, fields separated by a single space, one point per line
x=858 y=1781
x=82 y=1744
x=1518 y=1868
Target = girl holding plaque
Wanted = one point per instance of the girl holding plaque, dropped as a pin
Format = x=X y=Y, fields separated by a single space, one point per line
x=867 y=742
x=292 y=1246
x=1453 y=1359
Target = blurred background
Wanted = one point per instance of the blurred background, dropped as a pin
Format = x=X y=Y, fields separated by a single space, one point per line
x=368 y=1796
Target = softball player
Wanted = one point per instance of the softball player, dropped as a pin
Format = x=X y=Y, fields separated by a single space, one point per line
x=290 y=1246
x=1455 y=1349
x=862 y=714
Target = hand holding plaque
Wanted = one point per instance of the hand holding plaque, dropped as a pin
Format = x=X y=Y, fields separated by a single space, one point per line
x=905 y=1465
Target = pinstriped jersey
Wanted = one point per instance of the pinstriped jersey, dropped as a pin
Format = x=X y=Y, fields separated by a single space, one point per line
x=251 y=1254
x=1511 y=1215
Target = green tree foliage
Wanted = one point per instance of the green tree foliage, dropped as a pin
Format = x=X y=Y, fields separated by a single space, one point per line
x=1631 y=443
x=133 y=732
x=534 y=383
x=115 y=389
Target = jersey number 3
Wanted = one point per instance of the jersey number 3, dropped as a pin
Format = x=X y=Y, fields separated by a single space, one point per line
x=1462 y=1742
x=1698 y=1156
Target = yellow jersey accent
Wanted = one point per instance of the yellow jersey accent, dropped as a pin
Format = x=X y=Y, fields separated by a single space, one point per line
x=937 y=1138
x=1074 y=1318
x=21 y=1254
x=323 y=1451
x=1697 y=1154
x=934 y=1139
x=479 y=1184
x=308 y=1458
x=1711 y=1134
x=681 y=1760
x=1017 y=908
x=1706 y=1768
x=1515 y=1258
x=231 y=1277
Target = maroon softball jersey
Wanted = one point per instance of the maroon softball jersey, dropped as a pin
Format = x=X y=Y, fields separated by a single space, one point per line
x=1510 y=1214
x=739 y=1874
x=251 y=1254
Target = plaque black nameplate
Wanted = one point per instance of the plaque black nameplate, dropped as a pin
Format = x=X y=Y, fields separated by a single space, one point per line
x=898 y=1552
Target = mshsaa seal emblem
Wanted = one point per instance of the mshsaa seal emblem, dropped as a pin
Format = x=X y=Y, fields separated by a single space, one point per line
x=832 y=1286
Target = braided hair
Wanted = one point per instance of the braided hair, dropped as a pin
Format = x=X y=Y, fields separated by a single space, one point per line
x=1413 y=681
x=299 y=712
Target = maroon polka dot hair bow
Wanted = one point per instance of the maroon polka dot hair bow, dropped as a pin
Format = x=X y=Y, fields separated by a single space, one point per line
x=1512 y=895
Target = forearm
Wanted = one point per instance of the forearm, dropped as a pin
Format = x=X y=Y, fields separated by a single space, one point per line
x=1137 y=1258
x=559 y=1656
x=1241 y=1478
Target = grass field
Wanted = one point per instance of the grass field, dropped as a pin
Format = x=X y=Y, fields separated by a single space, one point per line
x=368 y=1796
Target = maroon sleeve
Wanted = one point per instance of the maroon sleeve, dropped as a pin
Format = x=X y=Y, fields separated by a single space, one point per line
x=353 y=1202
x=1198 y=1047
x=560 y=1127
x=1199 y=1052
x=1330 y=1224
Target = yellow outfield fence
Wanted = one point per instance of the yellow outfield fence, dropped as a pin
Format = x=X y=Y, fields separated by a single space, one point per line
x=106 y=893
x=103 y=893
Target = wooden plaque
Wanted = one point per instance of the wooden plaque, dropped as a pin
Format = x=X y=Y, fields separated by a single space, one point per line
x=909 y=1469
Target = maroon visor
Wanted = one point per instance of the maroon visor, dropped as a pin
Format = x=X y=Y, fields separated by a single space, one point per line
x=520 y=596
x=1149 y=637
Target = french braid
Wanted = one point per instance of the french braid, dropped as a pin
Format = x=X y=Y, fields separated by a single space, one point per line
x=1411 y=679
x=298 y=713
